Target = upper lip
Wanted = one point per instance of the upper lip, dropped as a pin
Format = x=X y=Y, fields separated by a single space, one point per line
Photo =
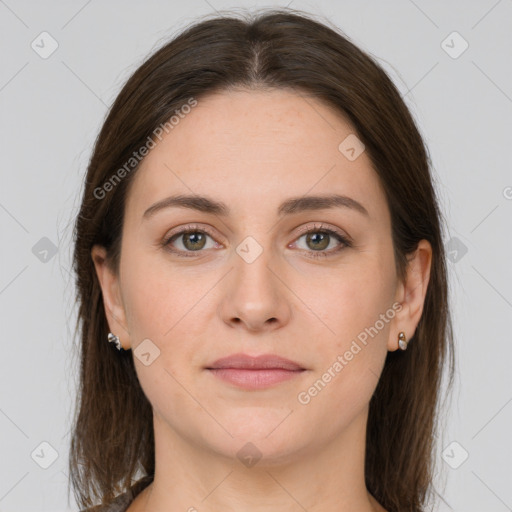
x=262 y=362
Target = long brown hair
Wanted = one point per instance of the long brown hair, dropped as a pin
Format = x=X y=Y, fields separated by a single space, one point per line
x=112 y=439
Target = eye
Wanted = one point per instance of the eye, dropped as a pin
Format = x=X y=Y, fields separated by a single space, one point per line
x=191 y=239
x=318 y=238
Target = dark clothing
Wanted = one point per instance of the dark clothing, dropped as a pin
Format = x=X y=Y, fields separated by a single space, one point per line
x=123 y=501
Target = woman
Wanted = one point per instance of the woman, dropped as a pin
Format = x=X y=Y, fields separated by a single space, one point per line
x=261 y=282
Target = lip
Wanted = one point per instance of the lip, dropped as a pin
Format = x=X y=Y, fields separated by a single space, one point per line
x=261 y=362
x=253 y=373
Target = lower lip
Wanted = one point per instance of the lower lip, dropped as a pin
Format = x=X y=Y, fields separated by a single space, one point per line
x=254 y=379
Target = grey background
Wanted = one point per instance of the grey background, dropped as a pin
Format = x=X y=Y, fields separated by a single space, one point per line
x=52 y=110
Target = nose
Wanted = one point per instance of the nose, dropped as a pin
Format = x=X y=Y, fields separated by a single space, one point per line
x=255 y=296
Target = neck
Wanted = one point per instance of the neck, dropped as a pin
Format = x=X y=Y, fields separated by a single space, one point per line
x=326 y=476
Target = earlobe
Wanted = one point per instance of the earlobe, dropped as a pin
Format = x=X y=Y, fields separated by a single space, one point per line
x=109 y=284
x=412 y=293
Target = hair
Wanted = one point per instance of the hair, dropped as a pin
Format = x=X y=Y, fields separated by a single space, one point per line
x=112 y=434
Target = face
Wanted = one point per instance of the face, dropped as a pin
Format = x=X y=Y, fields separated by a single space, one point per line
x=308 y=282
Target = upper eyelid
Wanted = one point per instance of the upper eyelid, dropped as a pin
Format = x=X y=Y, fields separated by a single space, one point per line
x=321 y=226
x=189 y=229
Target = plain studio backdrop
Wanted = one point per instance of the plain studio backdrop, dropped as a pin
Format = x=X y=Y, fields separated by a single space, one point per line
x=63 y=63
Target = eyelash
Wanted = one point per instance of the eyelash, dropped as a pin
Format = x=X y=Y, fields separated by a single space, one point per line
x=314 y=254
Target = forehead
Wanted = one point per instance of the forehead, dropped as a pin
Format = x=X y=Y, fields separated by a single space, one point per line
x=240 y=146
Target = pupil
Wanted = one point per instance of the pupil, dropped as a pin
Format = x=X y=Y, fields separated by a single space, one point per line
x=323 y=238
x=194 y=239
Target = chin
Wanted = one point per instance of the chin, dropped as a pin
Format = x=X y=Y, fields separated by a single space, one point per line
x=258 y=443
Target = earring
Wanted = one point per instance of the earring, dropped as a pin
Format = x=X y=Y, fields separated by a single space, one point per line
x=402 y=342
x=112 y=338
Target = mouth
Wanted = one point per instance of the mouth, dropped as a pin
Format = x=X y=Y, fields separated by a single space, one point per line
x=254 y=373
x=254 y=379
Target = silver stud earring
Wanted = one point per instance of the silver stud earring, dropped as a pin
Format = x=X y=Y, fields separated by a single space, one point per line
x=112 y=338
x=402 y=342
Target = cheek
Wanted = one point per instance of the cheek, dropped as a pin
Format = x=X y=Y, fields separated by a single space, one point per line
x=348 y=299
x=355 y=310
x=162 y=305
x=351 y=361
x=158 y=298
x=172 y=308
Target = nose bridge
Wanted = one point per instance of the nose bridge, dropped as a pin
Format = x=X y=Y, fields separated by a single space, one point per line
x=252 y=261
x=255 y=294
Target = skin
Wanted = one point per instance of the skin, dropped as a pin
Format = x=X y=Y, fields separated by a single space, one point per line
x=240 y=148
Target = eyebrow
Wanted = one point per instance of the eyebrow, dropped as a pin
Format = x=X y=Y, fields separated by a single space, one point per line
x=288 y=207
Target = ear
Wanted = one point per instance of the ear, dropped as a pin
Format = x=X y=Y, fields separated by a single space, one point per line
x=109 y=283
x=411 y=293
